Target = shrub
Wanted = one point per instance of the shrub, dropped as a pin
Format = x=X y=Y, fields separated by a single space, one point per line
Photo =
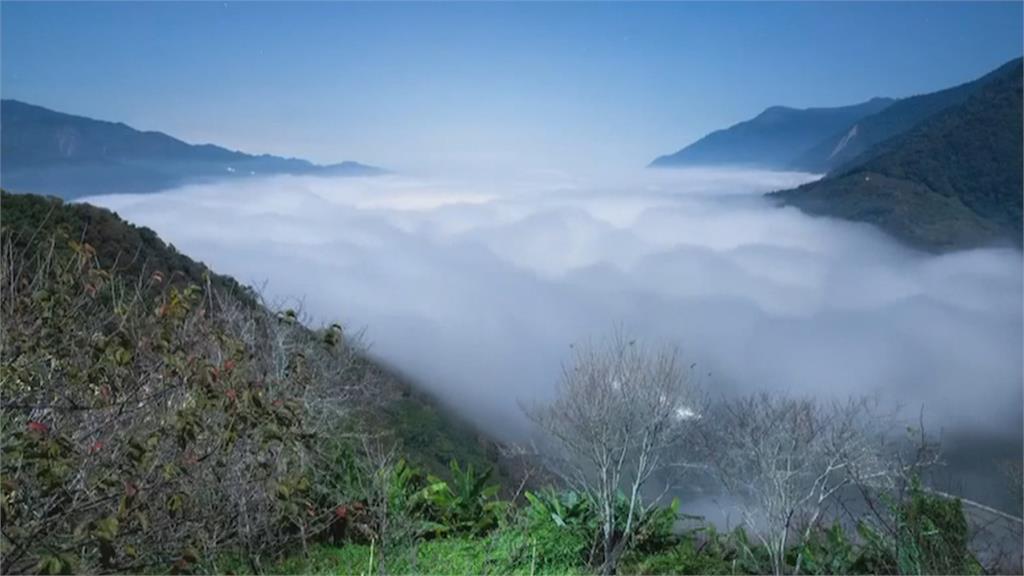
x=928 y=535
x=465 y=505
x=827 y=552
x=148 y=423
x=562 y=528
x=655 y=527
x=688 y=556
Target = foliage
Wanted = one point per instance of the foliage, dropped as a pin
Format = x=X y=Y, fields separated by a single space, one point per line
x=562 y=527
x=828 y=552
x=928 y=534
x=952 y=181
x=374 y=495
x=655 y=526
x=169 y=422
x=690 y=555
x=457 y=555
x=156 y=414
x=134 y=253
x=854 y=141
x=923 y=534
x=138 y=429
x=465 y=505
x=568 y=509
x=431 y=436
x=556 y=532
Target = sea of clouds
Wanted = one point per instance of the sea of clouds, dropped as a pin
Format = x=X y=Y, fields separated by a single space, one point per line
x=476 y=289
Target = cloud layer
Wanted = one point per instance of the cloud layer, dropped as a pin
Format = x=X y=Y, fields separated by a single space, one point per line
x=477 y=289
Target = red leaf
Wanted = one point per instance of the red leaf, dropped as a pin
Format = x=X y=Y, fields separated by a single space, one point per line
x=34 y=426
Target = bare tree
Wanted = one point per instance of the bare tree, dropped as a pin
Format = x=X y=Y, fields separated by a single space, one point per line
x=785 y=459
x=620 y=415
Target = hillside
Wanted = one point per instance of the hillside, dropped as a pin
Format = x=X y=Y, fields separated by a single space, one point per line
x=50 y=152
x=158 y=418
x=773 y=139
x=34 y=225
x=846 y=145
x=156 y=413
x=952 y=182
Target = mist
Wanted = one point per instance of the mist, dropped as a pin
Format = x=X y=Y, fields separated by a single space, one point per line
x=477 y=289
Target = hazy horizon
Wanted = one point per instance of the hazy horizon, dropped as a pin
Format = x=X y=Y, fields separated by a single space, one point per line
x=615 y=287
x=470 y=88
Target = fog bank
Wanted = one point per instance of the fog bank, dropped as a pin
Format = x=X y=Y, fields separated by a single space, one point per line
x=477 y=289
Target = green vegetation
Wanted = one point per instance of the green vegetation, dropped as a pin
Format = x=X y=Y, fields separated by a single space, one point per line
x=433 y=436
x=155 y=414
x=954 y=181
x=557 y=532
x=464 y=505
x=158 y=418
x=846 y=146
x=31 y=222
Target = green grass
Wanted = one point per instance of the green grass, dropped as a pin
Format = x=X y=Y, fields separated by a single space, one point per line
x=445 y=556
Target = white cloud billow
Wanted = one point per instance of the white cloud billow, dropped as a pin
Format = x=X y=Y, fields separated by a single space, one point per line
x=477 y=289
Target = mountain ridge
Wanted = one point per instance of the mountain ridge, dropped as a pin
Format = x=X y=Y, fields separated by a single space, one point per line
x=846 y=146
x=953 y=181
x=774 y=138
x=67 y=155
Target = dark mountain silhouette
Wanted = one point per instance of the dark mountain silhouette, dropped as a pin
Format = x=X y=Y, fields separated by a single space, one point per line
x=846 y=145
x=69 y=156
x=953 y=181
x=776 y=138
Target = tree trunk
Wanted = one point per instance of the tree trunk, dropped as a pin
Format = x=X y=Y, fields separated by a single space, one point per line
x=607 y=565
x=611 y=559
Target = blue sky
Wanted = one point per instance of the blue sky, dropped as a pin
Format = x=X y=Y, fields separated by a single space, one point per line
x=450 y=86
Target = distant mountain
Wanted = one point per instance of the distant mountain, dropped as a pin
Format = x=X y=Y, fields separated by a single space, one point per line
x=953 y=181
x=776 y=138
x=69 y=156
x=845 y=145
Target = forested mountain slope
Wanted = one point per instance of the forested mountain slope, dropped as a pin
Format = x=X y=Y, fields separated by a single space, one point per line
x=954 y=181
x=775 y=138
x=845 y=146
